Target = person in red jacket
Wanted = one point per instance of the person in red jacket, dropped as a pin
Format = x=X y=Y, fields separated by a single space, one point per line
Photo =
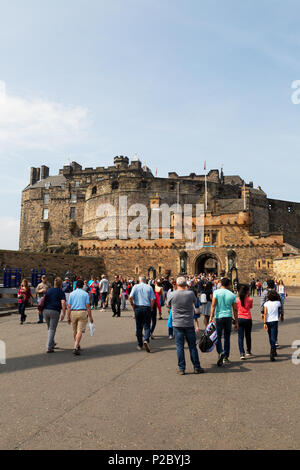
x=24 y=298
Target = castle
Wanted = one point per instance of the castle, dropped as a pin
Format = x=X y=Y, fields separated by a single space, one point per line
x=244 y=230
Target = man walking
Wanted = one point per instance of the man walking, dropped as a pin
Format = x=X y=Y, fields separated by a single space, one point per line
x=182 y=303
x=223 y=304
x=104 y=286
x=41 y=290
x=67 y=288
x=79 y=310
x=116 y=296
x=142 y=300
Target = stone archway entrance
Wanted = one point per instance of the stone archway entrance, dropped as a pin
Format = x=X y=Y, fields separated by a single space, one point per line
x=207 y=263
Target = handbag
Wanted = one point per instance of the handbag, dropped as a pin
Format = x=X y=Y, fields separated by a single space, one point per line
x=41 y=304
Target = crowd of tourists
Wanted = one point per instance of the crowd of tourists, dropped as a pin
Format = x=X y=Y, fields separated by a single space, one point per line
x=187 y=298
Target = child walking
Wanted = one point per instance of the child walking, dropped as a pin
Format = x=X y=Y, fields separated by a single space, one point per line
x=272 y=311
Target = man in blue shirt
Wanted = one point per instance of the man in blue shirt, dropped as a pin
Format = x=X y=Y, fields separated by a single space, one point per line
x=142 y=300
x=223 y=304
x=79 y=311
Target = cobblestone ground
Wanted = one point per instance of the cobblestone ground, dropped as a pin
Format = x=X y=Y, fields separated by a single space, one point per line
x=115 y=397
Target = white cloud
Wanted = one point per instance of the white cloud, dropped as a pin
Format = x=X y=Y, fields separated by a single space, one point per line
x=9 y=233
x=37 y=123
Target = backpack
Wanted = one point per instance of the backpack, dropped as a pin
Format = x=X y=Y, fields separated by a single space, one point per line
x=209 y=338
x=203 y=298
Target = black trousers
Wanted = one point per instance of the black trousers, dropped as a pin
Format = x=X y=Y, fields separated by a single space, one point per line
x=153 y=319
x=116 y=306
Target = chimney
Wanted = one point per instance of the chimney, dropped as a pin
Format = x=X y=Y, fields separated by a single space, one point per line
x=44 y=172
x=34 y=175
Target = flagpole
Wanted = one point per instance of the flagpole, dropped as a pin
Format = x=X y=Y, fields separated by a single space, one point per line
x=244 y=195
x=205 y=185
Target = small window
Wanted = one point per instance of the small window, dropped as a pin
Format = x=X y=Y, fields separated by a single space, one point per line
x=80 y=233
x=62 y=186
x=47 y=185
x=72 y=213
x=73 y=198
x=214 y=238
x=94 y=190
x=77 y=184
x=172 y=186
x=270 y=207
x=289 y=209
x=136 y=270
x=114 y=185
x=46 y=198
x=259 y=264
x=45 y=214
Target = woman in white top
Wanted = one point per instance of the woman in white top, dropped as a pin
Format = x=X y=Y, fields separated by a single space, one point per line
x=281 y=290
x=272 y=311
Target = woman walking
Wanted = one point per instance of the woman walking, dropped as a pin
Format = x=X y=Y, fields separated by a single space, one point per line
x=24 y=298
x=244 y=305
x=206 y=306
x=55 y=301
x=158 y=297
x=281 y=291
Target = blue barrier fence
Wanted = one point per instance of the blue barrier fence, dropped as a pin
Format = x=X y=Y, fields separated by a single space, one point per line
x=13 y=277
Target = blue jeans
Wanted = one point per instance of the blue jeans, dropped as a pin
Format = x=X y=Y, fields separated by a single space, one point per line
x=224 y=325
x=142 y=320
x=41 y=316
x=245 y=327
x=190 y=335
x=273 y=332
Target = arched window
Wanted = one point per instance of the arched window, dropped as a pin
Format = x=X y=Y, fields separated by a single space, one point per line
x=94 y=190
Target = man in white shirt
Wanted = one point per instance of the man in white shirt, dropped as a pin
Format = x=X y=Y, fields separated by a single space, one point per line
x=104 y=288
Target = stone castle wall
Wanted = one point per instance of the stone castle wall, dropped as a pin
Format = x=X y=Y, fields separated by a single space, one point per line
x=288 y=269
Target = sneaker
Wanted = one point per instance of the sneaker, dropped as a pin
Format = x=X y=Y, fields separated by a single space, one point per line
x=170 y=337
x=146 y=346
x=50 y=351
x=249 y=354
x=226 y=360
x=243 y=358
x=276 y=345
x=221 y=359
x=40 y=321
x=76 y=352
x=152 y=337
x=139 y=348
x=199 y=371
x=181 y=372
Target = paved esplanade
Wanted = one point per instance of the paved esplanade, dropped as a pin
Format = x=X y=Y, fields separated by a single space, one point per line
x=115 y=397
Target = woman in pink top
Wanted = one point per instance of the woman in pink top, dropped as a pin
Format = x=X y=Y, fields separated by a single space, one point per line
x=244 y=305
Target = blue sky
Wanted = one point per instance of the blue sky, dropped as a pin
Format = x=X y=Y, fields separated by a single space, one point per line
x=177 y=82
